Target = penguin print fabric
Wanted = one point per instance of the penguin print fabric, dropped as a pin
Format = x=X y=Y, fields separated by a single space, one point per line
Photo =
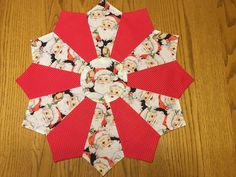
x=98 y=79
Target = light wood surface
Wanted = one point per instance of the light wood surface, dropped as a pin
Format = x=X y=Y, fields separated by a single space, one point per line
x=207 y=50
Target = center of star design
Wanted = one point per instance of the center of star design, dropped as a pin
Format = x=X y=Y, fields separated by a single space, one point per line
x=103 y=80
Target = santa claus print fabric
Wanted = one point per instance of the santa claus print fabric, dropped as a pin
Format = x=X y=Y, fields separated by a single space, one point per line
x=97 y=79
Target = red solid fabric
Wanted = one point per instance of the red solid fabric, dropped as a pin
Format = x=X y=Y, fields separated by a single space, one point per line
x=67 y=140
x=134 y=27
x=39 y=80
x=169 y=79
x=138 y=139
x=73 y=29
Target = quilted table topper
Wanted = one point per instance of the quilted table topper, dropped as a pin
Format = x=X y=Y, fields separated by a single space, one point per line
x=104 y=86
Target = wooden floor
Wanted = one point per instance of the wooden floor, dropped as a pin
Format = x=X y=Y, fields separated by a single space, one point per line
x=207 y=50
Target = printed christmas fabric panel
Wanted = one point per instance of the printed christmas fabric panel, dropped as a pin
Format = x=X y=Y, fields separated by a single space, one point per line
x=102 y=88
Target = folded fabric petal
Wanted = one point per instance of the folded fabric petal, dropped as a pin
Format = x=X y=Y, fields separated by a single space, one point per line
x=103 y=148
x=130 y=34
x=138 y=139
x=50 y=50
x=104 y=20
x=157 y=49
x=39 y=80
x=168 y=79
x=161 y=112
x=44 y=113
x=73 y=29
x=67 y=140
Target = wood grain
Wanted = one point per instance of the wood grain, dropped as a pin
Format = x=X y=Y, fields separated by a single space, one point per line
x=207 y=50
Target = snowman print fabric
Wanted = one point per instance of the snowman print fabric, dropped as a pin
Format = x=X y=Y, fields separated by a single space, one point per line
x=102 y=88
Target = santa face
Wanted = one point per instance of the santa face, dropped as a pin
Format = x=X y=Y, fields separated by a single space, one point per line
x=178 y=121
x=173 y=47
x=108 y=24
x=159 y=36
x=67 y=104
x=130 y=66
x=170 y=100
x=74 y=101
x=96 y=14
x=101 y=167
x=57 y=48
x=95 y=18
x=147 y=96
x=151 y=117
x=36 y=56
x=104 y=79
x=104 y=141
x=64 y=66
x=146 y=47
x=58 y=97
x=115 y=91
x=47 y=115
x=106 y=51
x=150 y=62
x=36 y=43
x=107 y=29
x=98 y=113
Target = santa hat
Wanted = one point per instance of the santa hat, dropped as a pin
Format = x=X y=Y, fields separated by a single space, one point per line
x=101 y=63
x=161 y=103
x=37 y=106
x=70 y=57
x=172 y=38
x=104 y=160
x=96 y=8
x=112 y=18
x=102 y=72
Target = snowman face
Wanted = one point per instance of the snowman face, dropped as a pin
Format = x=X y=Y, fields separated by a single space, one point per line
x=104 y=79
x=104 y=141
x=101 y=167
x=129 y=66
x=150 y=62
x=58 y=97
x=146 y=95
x=96 y=14
x=178 y=121
x=108 y=24
x=148 y=46
x=57 y=48
x=151 y=117
x=98 y=113
x=47 y=115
